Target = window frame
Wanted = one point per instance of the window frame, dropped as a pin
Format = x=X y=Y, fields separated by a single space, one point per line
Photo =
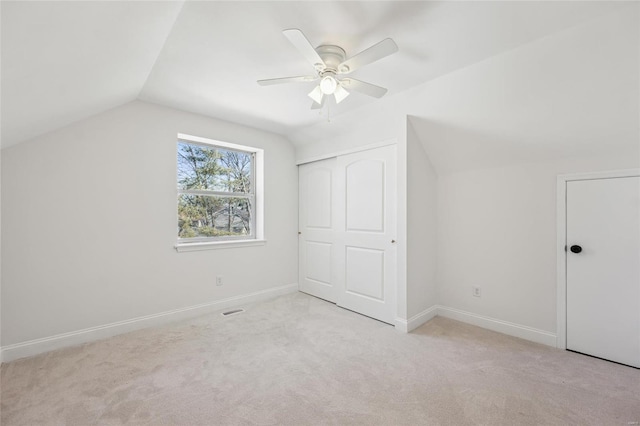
x=254 y=196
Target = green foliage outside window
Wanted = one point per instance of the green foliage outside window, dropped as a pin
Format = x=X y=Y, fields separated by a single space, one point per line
x=215 y=191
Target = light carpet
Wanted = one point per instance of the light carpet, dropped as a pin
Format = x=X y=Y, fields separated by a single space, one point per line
x=297 y=360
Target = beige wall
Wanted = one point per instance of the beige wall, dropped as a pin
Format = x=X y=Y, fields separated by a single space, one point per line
x=89 y=223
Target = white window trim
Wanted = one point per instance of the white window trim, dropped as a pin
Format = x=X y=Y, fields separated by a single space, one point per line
x=257 y=239
x=214 y=245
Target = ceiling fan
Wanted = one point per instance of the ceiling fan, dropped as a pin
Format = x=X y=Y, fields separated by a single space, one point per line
x=330 y=64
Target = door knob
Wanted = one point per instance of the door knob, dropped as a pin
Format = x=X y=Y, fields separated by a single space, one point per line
x=575 y=249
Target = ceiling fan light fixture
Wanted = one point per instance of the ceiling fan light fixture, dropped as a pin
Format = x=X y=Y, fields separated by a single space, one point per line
x=340 y=94
x=328 y=85
x=316 y=94
x=330 y=61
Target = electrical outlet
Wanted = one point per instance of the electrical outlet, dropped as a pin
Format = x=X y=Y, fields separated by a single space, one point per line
x=476 y=291
x=218 y=280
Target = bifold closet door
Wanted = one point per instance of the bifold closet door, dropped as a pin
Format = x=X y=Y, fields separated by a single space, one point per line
x=316 y=222
x=603 y=268
x=365 y=249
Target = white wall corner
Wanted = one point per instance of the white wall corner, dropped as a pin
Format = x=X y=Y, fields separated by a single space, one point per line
x=401 y=223
x=59 y=341
x=401 y=325
x=408 y=325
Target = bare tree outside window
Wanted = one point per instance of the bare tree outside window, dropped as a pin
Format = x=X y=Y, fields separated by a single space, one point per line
x=215 y=192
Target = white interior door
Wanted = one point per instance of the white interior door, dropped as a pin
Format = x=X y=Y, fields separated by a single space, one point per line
x=365 y=253
x=316 y=222
x=603 y=268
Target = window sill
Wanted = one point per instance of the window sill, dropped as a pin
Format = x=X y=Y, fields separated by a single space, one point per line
x=214 y=245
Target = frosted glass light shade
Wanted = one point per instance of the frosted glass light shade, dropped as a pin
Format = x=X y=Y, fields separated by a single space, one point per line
x=340 y=94
x=328 y=85
x=316 y=94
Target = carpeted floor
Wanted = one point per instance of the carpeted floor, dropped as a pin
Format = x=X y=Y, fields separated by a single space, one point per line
x=297 y=360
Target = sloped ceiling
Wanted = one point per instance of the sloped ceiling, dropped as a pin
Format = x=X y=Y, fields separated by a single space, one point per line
x=64 y=61
x=574 y=94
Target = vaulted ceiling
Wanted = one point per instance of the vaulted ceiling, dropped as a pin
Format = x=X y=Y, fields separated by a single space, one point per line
x=63 y=61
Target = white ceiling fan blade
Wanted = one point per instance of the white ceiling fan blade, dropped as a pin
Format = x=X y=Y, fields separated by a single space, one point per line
x=365 y=88
x=298 y=39
x=340 y=94
x=378 y=51
x=317 y=95
x=299 y=79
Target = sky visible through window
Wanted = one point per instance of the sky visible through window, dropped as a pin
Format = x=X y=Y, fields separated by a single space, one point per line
x=215 y=196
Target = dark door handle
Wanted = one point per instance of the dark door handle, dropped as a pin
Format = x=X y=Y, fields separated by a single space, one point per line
x=575 y=249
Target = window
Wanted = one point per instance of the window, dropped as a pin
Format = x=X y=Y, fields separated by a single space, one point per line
x=216 y=184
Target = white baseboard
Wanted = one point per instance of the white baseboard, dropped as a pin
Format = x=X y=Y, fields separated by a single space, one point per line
x=416 y=321
x=505 y=327
x=46 y=344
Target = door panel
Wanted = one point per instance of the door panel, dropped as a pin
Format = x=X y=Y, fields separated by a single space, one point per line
x=316 y=219
x=365 y=195
x=365 y=232
x=603 y=280
x=319 y=262
x=365 y=272
x=318 y=196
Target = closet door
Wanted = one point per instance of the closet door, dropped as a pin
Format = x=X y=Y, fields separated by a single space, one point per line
x=316 y=224
x=365 y=251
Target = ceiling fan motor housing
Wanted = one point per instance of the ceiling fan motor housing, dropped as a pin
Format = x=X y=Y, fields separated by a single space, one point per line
x=332 y=56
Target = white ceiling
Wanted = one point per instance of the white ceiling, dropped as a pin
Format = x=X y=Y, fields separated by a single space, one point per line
x=64 y=61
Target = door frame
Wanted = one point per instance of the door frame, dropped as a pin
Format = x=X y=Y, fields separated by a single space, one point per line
x=561 y=237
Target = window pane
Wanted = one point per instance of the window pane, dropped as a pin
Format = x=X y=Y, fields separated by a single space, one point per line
x=212 y=168
x=210 y=216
